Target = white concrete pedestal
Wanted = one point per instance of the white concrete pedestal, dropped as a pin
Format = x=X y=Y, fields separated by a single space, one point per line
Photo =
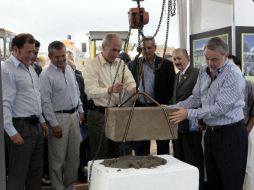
x=175 y=175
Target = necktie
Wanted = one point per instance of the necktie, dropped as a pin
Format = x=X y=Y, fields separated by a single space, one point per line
x=180 y=77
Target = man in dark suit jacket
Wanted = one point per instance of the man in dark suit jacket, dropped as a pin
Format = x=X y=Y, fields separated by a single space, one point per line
x=36 y=66
x=188 y=145
x=155 y=76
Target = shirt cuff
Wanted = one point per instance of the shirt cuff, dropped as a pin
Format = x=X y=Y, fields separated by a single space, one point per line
x=80 y=109
x=105 y=92
x=53 y=123
x=10 y=130
x=173 y=106
x=192 y=113
x=41 y=119
x=130 y=87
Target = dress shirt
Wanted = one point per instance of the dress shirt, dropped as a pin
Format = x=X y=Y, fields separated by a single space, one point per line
x=21 y=95
x=99 y=76
x=149 y=75
x=186 y=68
x=59 y=91
x=219 y=101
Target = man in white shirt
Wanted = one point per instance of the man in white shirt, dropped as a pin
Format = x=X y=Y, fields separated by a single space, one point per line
x=23 y=121
x=105 y=78
x=63 y=110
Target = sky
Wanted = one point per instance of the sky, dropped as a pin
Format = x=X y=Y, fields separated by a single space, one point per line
x=50 y=20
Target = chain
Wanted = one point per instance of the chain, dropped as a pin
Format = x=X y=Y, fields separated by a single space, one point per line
x=167 y=31
x=114 y=81
x=171 y=12
x=138 y=2
x=159 y=25
x=126 y=44
x=122 y=81
x=173 y=9
x=140 y=30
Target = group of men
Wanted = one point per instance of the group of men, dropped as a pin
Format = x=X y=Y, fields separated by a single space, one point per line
x=212 y=97
x=31 y=104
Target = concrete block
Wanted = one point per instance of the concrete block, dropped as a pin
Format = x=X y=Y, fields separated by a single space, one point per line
x=147 y=123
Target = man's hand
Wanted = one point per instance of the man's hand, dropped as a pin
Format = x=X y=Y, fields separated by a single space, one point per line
x=57 y=131
x=81 y=117
x=249 y=129
x=17 y=139
x=116 y=88
x=133 y=91
x=44 y=128
x=178 y=116
x=250 y=124
x=201 y=125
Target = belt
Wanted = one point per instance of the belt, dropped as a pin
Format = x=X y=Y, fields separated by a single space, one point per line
x=101 y=109
x=32 y=119
x=67 y=111
x=218 y=127
x=214 y=128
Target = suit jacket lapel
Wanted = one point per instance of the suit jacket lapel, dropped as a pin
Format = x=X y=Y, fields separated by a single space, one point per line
x=185 y=77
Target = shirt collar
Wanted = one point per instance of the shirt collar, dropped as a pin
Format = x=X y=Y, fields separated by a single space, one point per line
x=55 y=67
x=184 y=71
x=224 y=66
x=15 y=61
x=220 y=70
x=144 y=60
x=103 y=61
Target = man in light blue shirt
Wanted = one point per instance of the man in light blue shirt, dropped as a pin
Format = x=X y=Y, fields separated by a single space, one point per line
x=22 y=115
x=218 y=99
x=63 y=110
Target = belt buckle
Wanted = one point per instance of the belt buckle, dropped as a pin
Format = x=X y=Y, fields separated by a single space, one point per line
x=212 y=128
x=33 y=119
